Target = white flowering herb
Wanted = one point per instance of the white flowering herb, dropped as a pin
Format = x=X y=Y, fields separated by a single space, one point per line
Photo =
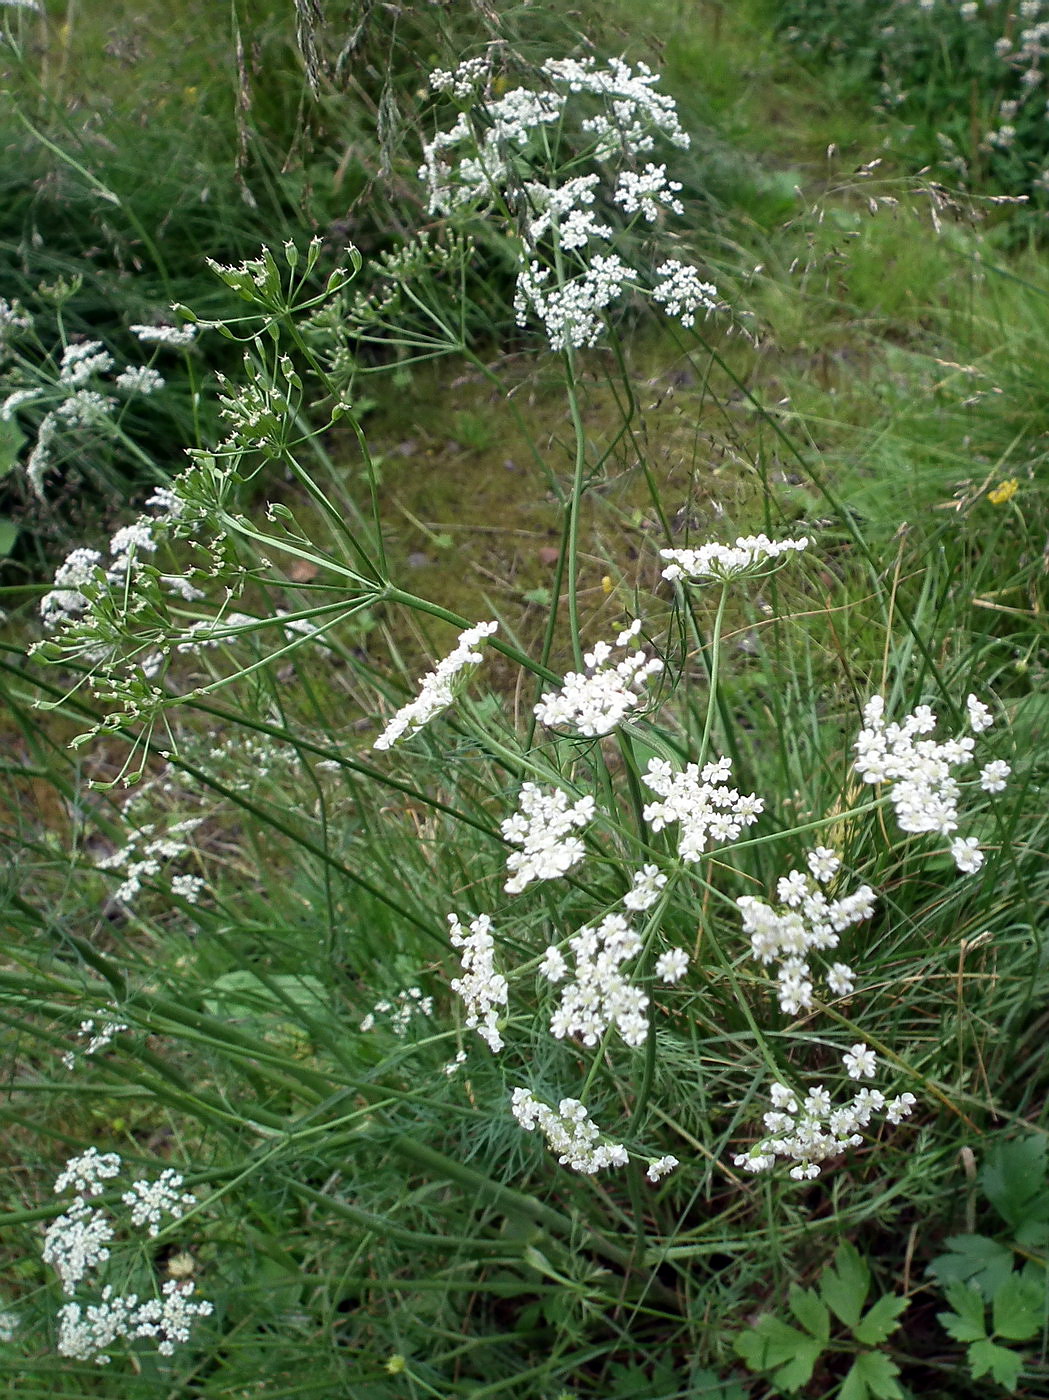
x=750 y=556
x=543 y=827
x=807 y=922
x=810 y=1129
x=482 y=989
x=439 y=687
x=570 y=1133
x=920 y=772
x=78 y=1244
x=700 y=801
x=609 y=692
x=600 y=994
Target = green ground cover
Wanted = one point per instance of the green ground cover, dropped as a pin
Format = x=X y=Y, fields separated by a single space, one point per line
x=783 y=1020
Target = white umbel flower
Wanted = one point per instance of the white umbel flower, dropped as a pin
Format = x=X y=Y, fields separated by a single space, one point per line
x=482 y=989
x=438 y=688
x=542 y=826
x=750 y=555
x=570 y=1132
x=594 y=702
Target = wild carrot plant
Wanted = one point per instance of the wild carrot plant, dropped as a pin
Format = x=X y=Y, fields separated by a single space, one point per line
x=518 y=1025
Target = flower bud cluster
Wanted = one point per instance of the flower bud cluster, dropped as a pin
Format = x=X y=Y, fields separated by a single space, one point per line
x=808 y=1131
x=920 y=771
x=78 y=1242
x=600 y=995
x=706 y=809
x=807 y=922
x=541 y=826
x=570 y=1132
x=596 y=702
x=482 y=989
x=750 y=555
x=438 y=688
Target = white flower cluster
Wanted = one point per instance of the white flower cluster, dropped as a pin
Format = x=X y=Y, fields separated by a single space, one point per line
x=542 y=827
x=809 y=1131
x=438 y=688
x=491 y=162
x=595 y=702
x=600 y=995
x=645 y=889
x=80 y=362
x=661 y=1167
x=699 y=800
x=923 y=789
x=646 y=192
x=98 y=1031
x=171 y=337
x=751 y=554
x=79 y=1241
x=78 y=408
x=77 y=579
x=482 y=989
x=683 y=292
x=809 y=922
x=146 y=855
x=570 y=310
x=87 y=1333
x=570 y=1132
x=401 y=1011
x=150 y=1201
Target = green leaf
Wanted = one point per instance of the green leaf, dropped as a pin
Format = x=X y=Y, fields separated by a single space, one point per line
x=871 y=1374
x=806 y=1306
x=1004 y=1365
x=705 y=1385
x=976 y=1260
x=1014 y=1182
x=844 y=1287
x=771 y=1345
x=8 y=535
x=11 y=440
x=880 y=1320
x=1018 y=1309
x=966 y=1323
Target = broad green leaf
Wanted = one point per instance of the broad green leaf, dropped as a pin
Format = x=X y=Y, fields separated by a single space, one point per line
x=1014 y=1181
x=11 y=440
x=1018 y=1309
x=8 y=535
x=880 y=1320
x=974 y=1259
x=771 y=1345
x=871 y=1374
x=1004 y=1365
x=806 y=1306
x=966 y=1323
x=844 y=1287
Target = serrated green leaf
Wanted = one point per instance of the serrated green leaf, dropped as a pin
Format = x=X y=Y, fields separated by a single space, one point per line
x=1017 y=1309
x=705 y=1385
x=974 y=1259
x=880 y=1320
x=1004 y=1365
x=966 y=1323
x=872 y=1373
x=806 y=1306
x=1013 y=1180
x=771 y=1345
x=844 y=1286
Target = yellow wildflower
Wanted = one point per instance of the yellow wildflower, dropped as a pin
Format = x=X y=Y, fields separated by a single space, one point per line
x=1004 y=491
